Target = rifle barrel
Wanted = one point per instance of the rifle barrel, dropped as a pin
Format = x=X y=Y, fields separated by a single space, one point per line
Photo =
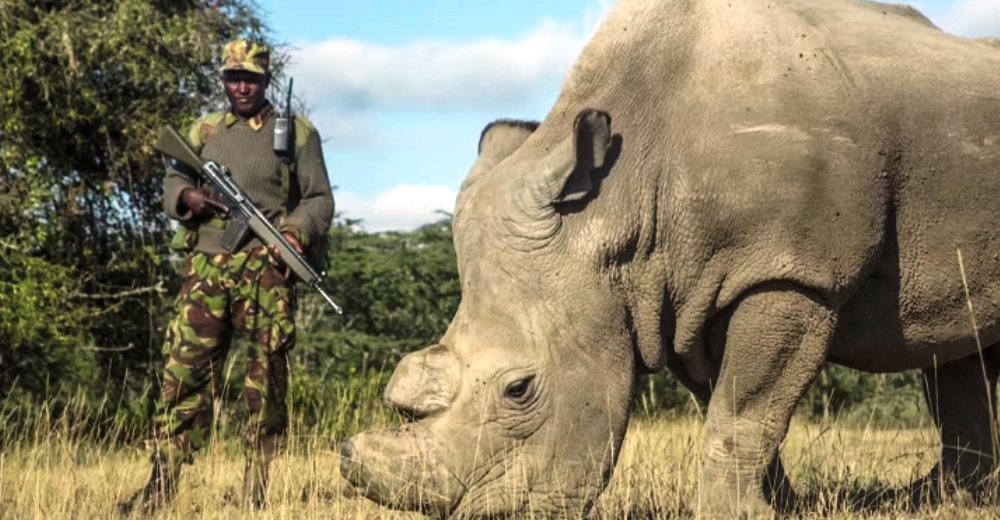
x=172 y=144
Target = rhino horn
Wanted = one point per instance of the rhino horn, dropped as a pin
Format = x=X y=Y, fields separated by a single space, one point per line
x=424 y=382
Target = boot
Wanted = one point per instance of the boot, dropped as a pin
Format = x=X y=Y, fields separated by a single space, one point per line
x=255 y=475
x=255 y=484
x=158 y=491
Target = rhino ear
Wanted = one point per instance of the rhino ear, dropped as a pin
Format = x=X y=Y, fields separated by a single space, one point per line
x=503 y=137
x=568 y=178
x=498 y=140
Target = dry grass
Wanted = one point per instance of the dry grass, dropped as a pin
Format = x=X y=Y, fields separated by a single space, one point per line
x=656 y=477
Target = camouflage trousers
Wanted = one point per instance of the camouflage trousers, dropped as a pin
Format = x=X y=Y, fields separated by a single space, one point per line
x=223 y=295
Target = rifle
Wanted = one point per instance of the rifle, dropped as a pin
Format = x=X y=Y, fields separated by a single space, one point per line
x=245 y=214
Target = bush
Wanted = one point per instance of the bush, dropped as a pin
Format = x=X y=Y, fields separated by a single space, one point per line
x=862 y=399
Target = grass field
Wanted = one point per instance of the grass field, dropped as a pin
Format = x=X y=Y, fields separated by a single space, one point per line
x=53 y=477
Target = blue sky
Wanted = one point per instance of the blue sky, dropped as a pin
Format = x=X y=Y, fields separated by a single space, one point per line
x=400 y=89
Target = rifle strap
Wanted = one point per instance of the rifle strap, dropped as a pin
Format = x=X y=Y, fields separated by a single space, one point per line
x=287 y=170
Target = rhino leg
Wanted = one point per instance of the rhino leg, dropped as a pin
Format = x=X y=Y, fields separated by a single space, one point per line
x=778 y=489
x=776 y=343
x=961 y=396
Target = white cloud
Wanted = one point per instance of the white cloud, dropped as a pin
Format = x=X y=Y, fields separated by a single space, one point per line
x=488 y=73
x=352 y=75
x=972 y=18
x=403 y=207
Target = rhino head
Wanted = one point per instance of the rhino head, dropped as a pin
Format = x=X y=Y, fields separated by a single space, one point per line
x=523 y=406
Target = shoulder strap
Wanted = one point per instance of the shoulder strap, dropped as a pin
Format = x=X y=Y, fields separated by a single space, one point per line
x=302 y=129
x=287 y=170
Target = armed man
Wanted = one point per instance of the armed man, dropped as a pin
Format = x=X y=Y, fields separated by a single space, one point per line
x=245 y=291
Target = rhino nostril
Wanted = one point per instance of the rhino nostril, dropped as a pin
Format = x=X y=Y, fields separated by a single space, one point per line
x=409 y=414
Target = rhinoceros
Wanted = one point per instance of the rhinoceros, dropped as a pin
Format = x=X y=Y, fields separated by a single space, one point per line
x=738 y=191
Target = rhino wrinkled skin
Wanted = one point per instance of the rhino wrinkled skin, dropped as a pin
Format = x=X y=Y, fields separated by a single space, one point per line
x=737 y=191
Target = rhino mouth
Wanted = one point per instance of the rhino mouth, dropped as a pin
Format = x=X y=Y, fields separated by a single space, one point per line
x=399 y=468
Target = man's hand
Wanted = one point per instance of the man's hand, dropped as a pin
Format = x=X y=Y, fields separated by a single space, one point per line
x=295 y=243
x=201 y=203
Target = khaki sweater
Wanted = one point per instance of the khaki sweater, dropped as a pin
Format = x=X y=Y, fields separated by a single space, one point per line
x=249 y=155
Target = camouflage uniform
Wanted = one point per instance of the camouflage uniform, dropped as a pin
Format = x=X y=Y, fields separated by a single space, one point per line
x=223 y=294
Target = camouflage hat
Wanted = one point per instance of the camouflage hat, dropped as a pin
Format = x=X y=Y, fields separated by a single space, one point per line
x=246 y=55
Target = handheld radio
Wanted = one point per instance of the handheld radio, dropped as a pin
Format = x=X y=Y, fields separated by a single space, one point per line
x=284 y=130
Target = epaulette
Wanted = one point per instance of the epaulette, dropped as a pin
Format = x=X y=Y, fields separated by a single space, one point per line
x=204 y=127
x=303 y=129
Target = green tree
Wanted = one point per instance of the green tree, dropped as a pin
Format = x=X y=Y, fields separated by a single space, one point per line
x=855 y=397
x=84 y=87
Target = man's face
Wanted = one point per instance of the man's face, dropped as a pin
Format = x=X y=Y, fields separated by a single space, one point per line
x=245 y=91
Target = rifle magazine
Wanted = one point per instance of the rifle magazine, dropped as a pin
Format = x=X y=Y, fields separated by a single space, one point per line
x=236 y=232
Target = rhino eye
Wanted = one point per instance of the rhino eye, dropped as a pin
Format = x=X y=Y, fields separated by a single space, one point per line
x=518 y=389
